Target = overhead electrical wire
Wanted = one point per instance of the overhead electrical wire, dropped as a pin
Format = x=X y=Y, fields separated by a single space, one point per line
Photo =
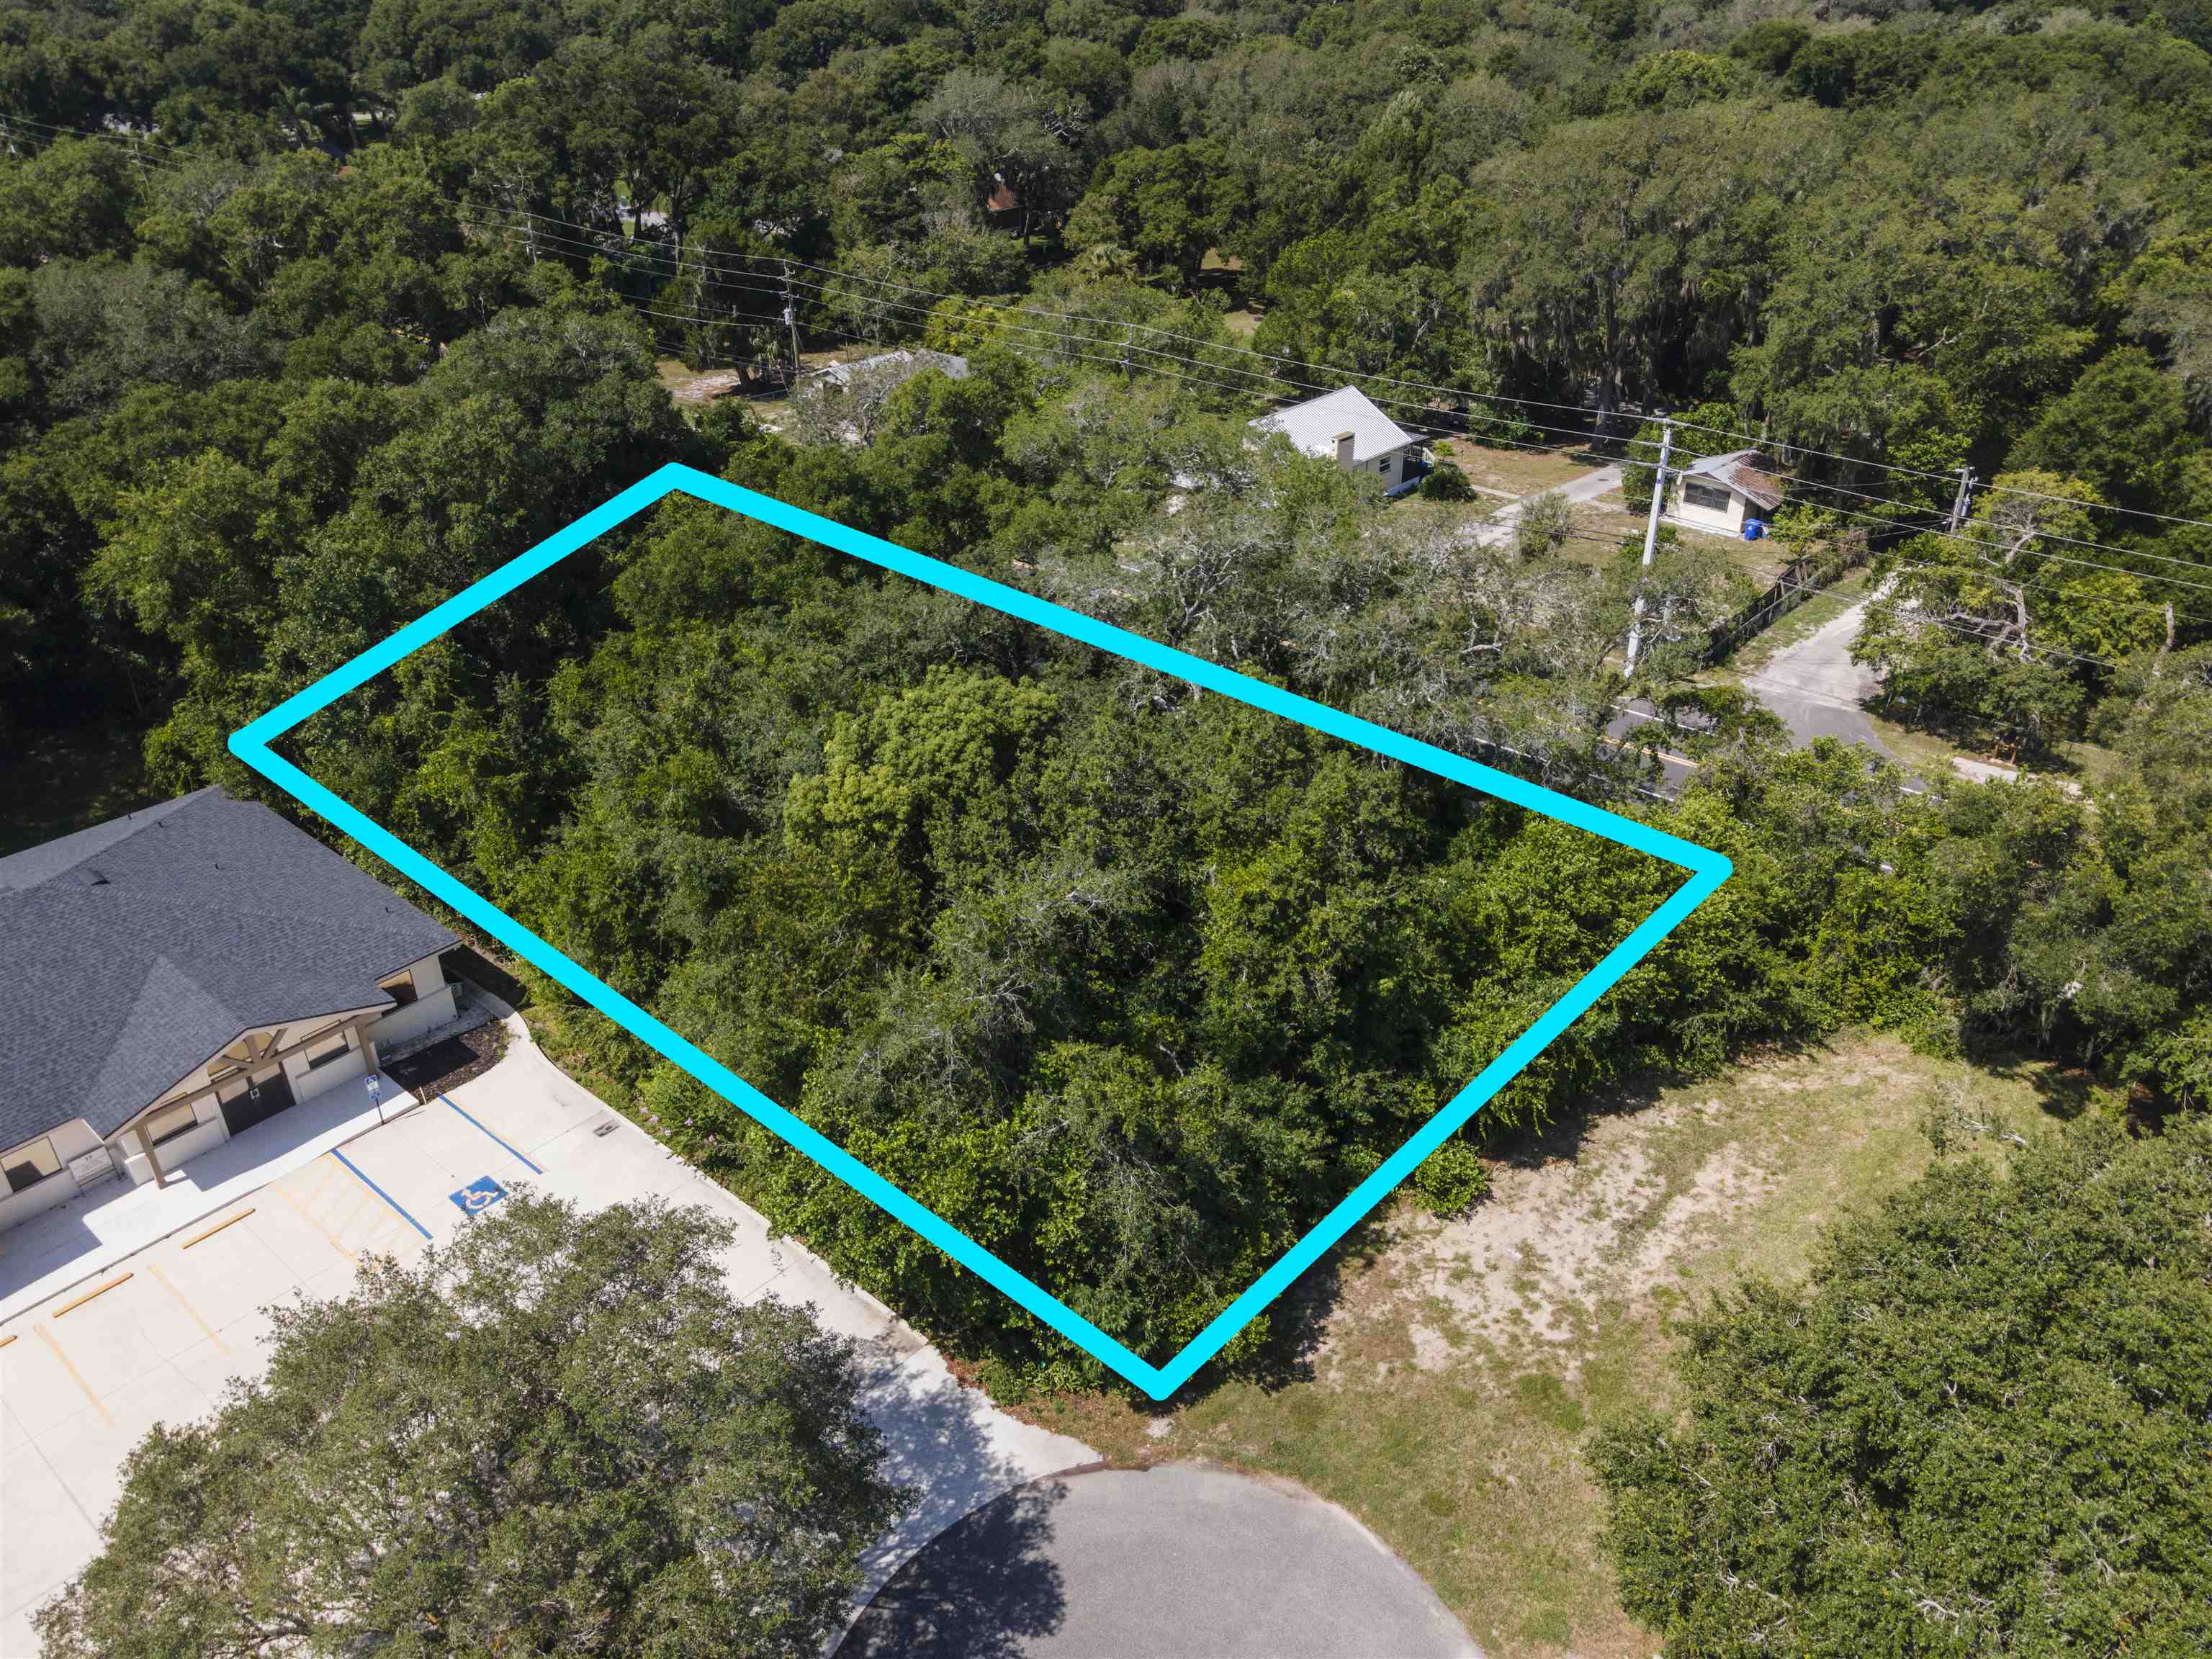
x=631 y=247
x=1516 y=403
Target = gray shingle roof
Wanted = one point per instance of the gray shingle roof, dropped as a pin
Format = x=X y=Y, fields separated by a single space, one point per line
x=135 y=949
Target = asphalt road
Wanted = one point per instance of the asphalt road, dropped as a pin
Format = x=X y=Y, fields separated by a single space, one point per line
x=1182 y=1562
x=1817 y=689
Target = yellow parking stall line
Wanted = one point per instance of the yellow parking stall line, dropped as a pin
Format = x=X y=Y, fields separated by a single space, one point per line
x=190 y=1312
x=89 y=1295
x=317 y=1226
x=74 y=1377
x=228 y=1221
x=347 y=1212
x=329 y=1171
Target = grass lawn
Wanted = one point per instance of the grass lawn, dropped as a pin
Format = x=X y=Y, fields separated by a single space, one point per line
x=1806 y=620
x=72 y=780
x=1455 y=1370
x=1515 y=471
x=1613 y=518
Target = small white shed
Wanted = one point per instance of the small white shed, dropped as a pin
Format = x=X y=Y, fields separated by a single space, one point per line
x=1721 y=491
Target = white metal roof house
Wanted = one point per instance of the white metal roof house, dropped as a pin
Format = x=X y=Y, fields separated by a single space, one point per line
x=1721 y=491
x=177 y=976
x=904 y=364
x=1344 y=424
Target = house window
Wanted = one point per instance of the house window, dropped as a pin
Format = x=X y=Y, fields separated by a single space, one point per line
x=401 y=988
x=169 y=1122
x=32 y=1163
x=1383 y=466
x=324 y=1053
x=1697 y=493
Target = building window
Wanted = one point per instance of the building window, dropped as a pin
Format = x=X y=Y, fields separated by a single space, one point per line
x=401 y=988
x=169 y=1122
x=1697 y=493
x=324 y=1053
x=32 y=1163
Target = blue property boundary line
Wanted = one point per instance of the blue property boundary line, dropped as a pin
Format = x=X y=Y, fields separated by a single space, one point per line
x=361 y=1177
x=1707 y=870
x=523 y=1156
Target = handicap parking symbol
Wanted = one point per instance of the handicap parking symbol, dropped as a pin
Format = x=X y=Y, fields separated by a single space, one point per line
x=478 y=1195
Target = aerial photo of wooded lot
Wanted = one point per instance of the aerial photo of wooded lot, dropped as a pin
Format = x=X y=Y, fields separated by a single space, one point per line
x=1781 y=424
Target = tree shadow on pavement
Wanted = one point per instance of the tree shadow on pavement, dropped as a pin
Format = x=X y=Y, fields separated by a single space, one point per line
x=966 y=1571
x=978 y=1591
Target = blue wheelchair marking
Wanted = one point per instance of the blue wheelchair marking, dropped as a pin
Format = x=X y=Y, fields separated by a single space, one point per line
x=478 y=1195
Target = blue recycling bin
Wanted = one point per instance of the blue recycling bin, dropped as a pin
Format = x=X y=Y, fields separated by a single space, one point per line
x=1754 y=529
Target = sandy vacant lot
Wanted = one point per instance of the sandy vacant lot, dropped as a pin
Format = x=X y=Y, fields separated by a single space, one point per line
x=1452 y=1370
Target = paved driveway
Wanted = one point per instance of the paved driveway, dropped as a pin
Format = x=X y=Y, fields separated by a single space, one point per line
x=1817 y=689
x=1497 y=530
x=1183 y=1562
x=158 y=1335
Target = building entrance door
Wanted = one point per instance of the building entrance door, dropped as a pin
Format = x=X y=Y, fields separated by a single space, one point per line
x=256 y=1102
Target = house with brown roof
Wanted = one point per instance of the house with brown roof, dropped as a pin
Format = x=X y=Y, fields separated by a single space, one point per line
x=1720 y=492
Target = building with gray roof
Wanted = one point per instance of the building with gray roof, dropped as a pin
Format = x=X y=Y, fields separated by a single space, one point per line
x=184 y=972
x=1344 y=426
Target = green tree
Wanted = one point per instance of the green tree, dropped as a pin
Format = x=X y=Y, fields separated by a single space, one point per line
x=1985 y=1426
x=1166 y=206
x=558 y=1433
x=2124 y=429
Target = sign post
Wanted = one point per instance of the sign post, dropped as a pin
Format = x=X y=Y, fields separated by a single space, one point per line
x=376 y=1094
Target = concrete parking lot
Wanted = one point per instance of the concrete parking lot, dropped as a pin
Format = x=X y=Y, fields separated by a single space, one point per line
x=158 y=1335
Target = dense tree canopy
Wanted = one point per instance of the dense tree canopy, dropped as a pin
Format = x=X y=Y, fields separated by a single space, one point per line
x=310 y=316
x=555 y=1433
x=1985 y=1427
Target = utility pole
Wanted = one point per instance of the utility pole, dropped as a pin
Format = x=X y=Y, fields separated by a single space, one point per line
x=790 y=321
x=1963 y=500
x=1650 y=541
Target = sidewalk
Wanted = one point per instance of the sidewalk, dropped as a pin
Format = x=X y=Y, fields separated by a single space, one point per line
x=180 y=1279
x=96 y=1229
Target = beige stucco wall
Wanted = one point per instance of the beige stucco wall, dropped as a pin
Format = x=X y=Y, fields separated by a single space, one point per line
x=69 y=1140
x=308 y=1081
x=1727 y=522
x=433 y=1006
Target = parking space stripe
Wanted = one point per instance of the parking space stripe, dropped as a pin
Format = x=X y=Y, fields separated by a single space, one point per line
x=68 y=1306
x=496 y=1141
x=74 y=1377
x=381 y=1193
x=202 y=1238
x=282 y=1193
x=190 y=1312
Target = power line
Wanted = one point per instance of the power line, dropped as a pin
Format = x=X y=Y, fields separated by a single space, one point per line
x=632 y=249
x=1457 y=391
x=1901 y=524
x=1514 y=404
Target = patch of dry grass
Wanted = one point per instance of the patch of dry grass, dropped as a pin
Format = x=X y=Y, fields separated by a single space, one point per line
x=1513 y=472
x=1462 y=1365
